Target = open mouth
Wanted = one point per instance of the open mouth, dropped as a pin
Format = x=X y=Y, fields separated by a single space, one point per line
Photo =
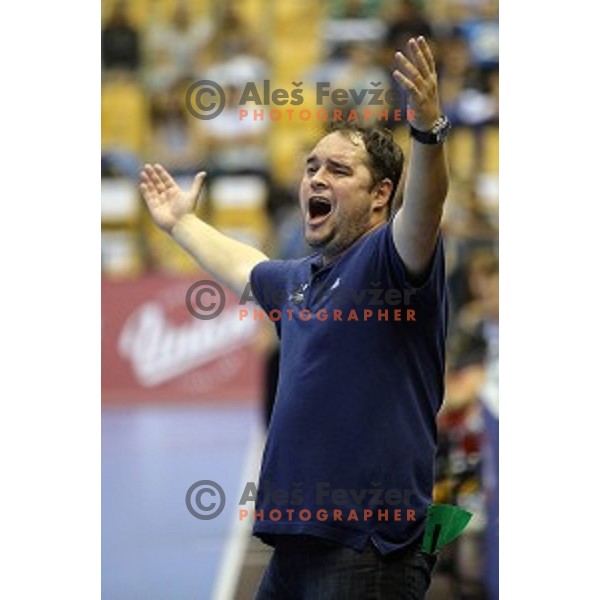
x=318 y=208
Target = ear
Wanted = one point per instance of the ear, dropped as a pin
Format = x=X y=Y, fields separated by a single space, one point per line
x=383 y=193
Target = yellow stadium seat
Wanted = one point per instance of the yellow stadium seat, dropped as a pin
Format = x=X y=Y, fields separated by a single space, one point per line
x=491 y=142
x=124 y=116
x=461 y=151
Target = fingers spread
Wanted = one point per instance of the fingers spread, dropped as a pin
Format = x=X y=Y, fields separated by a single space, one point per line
x=154 y=179
x=418 y=59
x=164 y=176
x=410 y=76
x=405 y=82
x=427 y=53
x=148 y=193
x=146 y=184
x=145 y=189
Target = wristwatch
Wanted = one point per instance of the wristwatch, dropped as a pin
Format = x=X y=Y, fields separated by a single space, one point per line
x=436 y=135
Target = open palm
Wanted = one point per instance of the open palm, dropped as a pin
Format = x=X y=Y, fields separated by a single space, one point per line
x=418 y=77
x=166 y=201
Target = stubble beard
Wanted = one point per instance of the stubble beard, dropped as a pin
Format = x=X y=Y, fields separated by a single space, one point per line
x=341 y=236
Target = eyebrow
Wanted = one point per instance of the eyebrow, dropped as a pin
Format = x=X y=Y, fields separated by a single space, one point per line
x=313 y=159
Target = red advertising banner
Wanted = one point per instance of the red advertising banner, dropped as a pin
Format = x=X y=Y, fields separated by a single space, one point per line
x=154 y=350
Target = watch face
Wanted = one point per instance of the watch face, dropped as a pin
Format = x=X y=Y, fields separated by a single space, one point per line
x=436 y=135
x=443 y=130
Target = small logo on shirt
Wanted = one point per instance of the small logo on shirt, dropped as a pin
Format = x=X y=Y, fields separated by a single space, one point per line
x=297 y=296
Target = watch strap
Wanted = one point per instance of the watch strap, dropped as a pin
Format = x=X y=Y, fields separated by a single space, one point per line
x=436 y=135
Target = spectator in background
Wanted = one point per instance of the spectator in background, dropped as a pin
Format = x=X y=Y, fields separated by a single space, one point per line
x=124 y=123
x=475 y=345
x=161 y=72
x=236 y=146
x=490 y=394
x=468 y=218
x=481 y=31
x=172 y=48
x=172 y=137
x=239 y=63
x=352 y=21
x=120 y=41
x=234 y=53
x=493 y=89
x=238 y=165
x=353 y=9
x=468 y=222
x=472 y=297
x=403 y=19
x=358 y=71
x=359 y=68
x=466 y=84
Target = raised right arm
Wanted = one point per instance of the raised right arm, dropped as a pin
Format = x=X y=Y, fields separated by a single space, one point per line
x=172 y=210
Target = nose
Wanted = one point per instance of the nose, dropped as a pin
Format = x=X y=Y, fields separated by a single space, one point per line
x=318 y=181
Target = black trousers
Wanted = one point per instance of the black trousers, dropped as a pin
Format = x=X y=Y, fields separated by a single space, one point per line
x=308 y=568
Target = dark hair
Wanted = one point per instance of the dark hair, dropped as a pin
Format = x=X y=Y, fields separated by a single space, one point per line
x=386 y=159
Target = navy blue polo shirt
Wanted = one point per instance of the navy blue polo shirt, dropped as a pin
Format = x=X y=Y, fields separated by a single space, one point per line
x=350 y=449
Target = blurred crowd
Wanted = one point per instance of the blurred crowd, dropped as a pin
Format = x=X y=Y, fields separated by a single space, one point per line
x=154 y=50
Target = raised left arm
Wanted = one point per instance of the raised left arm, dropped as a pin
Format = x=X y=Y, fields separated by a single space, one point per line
x=417 y=223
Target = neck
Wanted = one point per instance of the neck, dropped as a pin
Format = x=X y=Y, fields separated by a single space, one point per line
x=328 y=258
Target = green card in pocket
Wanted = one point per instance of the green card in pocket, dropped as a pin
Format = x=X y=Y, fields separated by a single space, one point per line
x=443 y=524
